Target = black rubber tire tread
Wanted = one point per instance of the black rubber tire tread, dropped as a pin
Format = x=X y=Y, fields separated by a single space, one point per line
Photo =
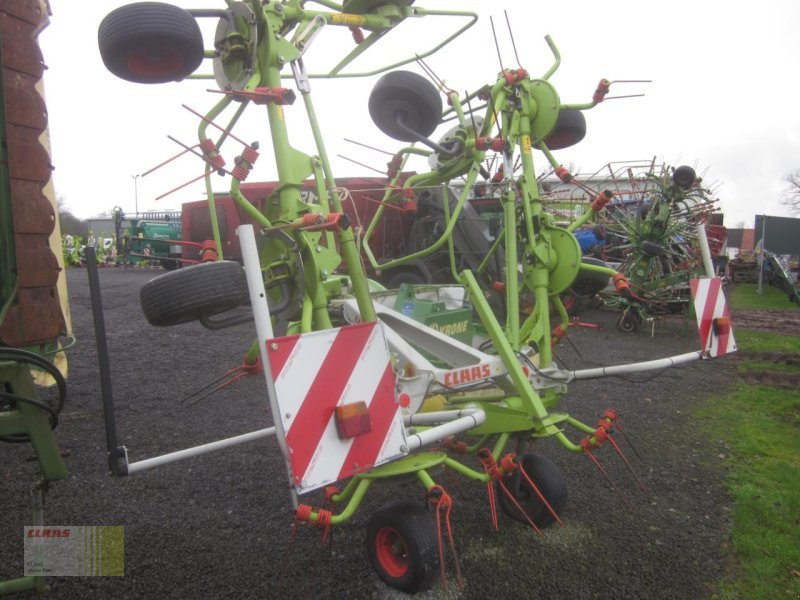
x=407 y=94
x=187 y=294
x=395 y=280
x=629 y=323
x=415 y=525
x=550 y=481
x=684 y=176
x=155 y=26
x=569 y=130
x=589 y=283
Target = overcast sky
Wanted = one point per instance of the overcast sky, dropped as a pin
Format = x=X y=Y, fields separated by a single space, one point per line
x=723 y=97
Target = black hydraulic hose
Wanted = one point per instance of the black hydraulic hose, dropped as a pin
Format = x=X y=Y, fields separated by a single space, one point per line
x=30 y=358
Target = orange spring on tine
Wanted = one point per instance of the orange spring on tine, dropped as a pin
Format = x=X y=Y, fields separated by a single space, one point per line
x=512 y=77
x=563 y=174
x=509 y=462
x=211 y=153
x=303 y=513
x=309 y=219
x=239 y=172
x=208 y=146
x=454 y=445
x=324 y=520
x=250 y=155
x=601 y=91
x=208 y=251
x=601 y=200
x=621 y=283
x=330 y=492
x=498 y=176
x=358 y=35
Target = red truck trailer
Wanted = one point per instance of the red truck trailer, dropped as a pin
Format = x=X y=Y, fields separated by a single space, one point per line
x=403 y=229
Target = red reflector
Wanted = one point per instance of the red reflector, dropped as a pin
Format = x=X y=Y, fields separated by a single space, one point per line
x=722 y=325
x=352 y=420
x=404 y=400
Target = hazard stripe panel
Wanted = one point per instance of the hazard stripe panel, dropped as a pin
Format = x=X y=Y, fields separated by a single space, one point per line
x=709 y=304
x=316 y=372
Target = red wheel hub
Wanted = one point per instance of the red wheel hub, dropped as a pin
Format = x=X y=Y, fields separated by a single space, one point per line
x=391 y=552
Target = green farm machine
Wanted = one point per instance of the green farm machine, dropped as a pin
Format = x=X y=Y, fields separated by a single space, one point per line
x=33 y=312
x=360 y=391
x=152 y=237
x=663 y=220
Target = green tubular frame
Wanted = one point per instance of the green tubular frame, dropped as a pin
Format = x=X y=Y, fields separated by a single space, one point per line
x=273 y=52
x=527 y=111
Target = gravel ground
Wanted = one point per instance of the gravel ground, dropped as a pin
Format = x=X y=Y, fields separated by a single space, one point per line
x=219 y=525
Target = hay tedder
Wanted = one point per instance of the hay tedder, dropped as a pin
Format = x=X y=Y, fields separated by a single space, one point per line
x=360 y=392
x=662 y=216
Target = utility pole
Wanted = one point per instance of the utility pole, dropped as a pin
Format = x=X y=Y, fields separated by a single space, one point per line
x=136 y=192
x=761 y=254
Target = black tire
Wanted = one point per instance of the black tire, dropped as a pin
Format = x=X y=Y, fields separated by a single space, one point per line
x=170 y=265
x=197 y=291
x=569 y=130
x=397 y=279
x=150 y=42
x=590 y=283
x=403 y=546
x=551 y=483
x=684 y=177
x=653 y=249
x=409 y=97
x=629 y=323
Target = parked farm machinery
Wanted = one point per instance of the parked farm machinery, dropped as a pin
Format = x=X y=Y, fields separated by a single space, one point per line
x=657 y=231
x=361 y=392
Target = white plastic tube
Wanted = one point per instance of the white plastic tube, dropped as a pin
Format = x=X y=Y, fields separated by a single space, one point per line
x=455 y=422
x=650 y=365
x=705 y=251
x=164 y=459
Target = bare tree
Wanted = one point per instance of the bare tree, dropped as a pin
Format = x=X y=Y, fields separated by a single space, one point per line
x=70 y=224
x=791 y=197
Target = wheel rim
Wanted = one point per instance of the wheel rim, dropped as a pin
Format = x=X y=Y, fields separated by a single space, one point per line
x=154 y=62
x=391 y=551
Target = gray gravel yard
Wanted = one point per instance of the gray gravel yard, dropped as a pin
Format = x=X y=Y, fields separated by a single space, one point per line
x=218 y=526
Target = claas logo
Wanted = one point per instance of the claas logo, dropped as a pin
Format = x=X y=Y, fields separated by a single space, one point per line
x=467 y=375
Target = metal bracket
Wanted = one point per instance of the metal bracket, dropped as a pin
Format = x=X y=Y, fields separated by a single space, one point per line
x=302 y=40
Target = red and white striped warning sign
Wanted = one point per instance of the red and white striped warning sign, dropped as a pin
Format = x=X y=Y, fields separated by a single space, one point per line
x=316 y=372
x=713 y=318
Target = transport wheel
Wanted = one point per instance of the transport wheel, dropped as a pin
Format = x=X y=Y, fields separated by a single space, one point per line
x=398 y=279
x=150 y=42
x=629 y=322
x=551 y=483
x=402 y=546
x=684 y=176
x=408 y=97
x=197 y=291
x=569 y=130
